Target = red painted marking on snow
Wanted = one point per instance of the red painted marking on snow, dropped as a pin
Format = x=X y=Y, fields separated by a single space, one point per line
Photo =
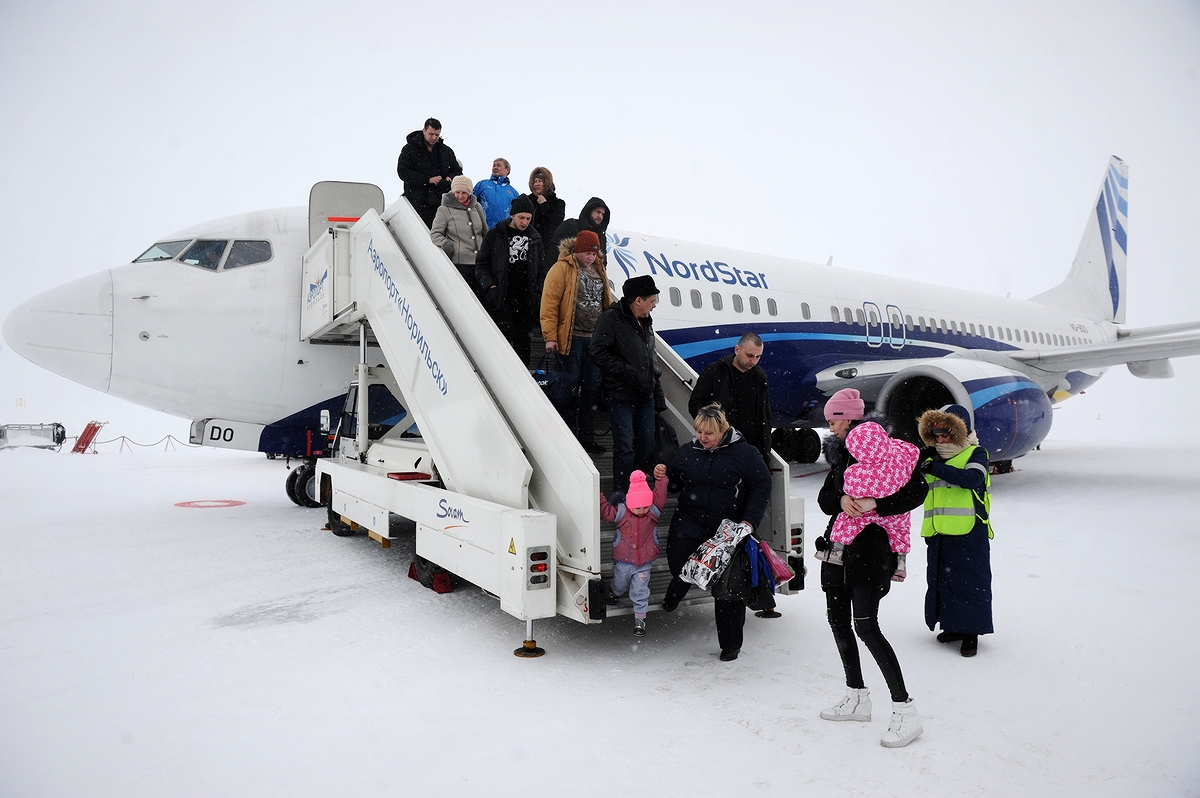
x=208 y=504
x=344 y=218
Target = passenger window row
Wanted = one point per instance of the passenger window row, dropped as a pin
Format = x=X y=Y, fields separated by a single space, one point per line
x=735 y=300
x=958 y=328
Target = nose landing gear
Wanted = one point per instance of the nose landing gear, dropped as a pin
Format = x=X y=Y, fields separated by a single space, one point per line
x=301 y=485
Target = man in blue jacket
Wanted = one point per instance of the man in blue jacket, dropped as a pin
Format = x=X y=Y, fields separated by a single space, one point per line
x=496 y=194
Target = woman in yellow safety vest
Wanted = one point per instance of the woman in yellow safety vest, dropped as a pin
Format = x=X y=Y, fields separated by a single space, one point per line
x=956 y=528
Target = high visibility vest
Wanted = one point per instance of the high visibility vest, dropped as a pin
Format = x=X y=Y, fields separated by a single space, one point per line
x=949 y=509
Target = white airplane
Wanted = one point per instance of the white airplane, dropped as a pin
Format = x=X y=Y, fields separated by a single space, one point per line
x=205 y=325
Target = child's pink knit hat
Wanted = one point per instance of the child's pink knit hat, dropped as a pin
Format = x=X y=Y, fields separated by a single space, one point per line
x=639 y=495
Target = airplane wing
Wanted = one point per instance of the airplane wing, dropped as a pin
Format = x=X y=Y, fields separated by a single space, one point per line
x=1135 y=347
x=1146 y=351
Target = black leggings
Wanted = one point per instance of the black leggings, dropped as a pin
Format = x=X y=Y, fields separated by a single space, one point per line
x=839 y=601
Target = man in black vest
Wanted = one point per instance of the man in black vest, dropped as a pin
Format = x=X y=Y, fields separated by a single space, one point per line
x=739 y=385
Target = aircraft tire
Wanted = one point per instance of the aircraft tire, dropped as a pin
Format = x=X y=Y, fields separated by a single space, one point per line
x=307 y=491
x=337 y=527
x=289 y=485
x=807 y=445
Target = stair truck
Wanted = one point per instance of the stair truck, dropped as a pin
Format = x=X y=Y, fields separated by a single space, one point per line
x=452 y=433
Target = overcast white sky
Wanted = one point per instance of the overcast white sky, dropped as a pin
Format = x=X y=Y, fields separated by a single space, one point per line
x=953 y=142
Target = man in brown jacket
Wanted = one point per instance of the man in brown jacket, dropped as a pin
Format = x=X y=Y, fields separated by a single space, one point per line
x=573 y=297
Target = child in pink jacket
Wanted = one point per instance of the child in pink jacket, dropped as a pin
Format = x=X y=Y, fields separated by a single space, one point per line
x=635 y=546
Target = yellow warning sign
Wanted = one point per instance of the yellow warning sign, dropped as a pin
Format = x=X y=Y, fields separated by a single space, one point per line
x=512 y=545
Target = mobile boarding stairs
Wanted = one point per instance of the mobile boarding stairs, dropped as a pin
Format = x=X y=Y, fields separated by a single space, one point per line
x=500 y=491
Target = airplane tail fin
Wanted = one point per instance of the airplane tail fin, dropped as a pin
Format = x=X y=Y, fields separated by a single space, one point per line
x=1095 y=286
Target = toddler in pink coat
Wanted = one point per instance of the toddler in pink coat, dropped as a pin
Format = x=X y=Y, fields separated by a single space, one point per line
x=884 y=465
x=635 y=546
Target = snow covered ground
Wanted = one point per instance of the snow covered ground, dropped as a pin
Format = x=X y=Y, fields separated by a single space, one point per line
x=149 y=649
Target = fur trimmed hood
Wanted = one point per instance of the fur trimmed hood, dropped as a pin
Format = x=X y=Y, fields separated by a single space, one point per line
x=938 y=418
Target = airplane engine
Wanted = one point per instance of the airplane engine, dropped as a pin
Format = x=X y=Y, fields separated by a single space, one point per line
x=1012 y=414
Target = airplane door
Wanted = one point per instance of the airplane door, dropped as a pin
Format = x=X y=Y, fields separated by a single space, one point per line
x=874 y=320
x=897 y=335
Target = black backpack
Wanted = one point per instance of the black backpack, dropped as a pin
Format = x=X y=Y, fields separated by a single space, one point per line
x=736 y=583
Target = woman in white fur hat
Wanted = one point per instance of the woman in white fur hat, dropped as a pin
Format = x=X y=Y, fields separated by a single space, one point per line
x=459 y=227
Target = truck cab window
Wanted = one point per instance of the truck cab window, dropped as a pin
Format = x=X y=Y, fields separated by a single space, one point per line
x=386 y=411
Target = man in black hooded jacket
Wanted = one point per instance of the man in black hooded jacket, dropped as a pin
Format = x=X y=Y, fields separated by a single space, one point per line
x=427 y=165
x=595 y=216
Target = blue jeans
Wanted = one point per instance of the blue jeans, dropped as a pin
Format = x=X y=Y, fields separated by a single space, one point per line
x=633 y=438
x=636 y=580
x=581 y=415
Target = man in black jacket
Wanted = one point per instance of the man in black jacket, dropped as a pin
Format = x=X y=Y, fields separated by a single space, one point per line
x=623 y=347
x=427 y=165
x=595 y=216
x=739 y=385
x=507 y=275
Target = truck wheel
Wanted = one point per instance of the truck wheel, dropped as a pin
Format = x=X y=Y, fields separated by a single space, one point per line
x=289 y=485
x=337 y=527
x=426 y=570
x=307 y=490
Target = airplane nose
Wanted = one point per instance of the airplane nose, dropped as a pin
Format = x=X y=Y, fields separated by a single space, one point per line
x=67 y=330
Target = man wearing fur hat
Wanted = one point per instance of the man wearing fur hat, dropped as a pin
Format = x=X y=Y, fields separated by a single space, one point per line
x=573 y=297
x=623 y=347
x=957 y=528
x=496 y=193
x=506 y=271
x=427 y=165
x=739 y=385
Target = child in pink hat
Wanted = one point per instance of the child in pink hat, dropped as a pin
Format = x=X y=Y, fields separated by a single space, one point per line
x=635 y=546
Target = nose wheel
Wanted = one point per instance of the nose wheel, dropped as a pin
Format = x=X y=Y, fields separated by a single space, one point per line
x=301 y=485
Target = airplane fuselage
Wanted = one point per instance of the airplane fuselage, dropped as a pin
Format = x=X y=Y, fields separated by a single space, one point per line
x=206 y=324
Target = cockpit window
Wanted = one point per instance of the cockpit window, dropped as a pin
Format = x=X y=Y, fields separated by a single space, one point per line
x=204 y=253
x=163 y=250
x=246 y=253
